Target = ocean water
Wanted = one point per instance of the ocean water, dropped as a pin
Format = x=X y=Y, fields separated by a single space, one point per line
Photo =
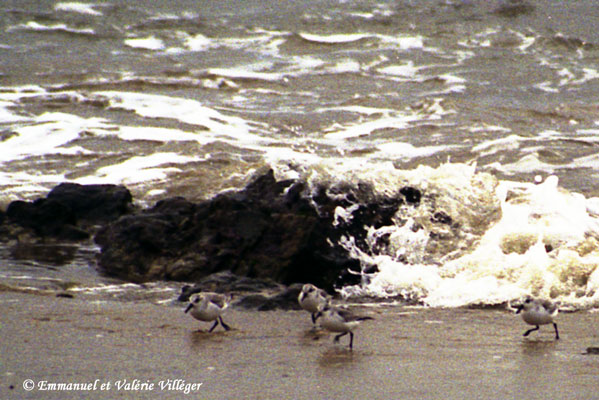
x=489 y=108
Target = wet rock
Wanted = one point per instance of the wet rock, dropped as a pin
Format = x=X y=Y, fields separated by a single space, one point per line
x=46 y=218
x=93 y=203
x=283 y=300
x=269 y=230
x=412 y=195
x=69 y=210
x=368 y=210
x=247 y=293
x=227 y=282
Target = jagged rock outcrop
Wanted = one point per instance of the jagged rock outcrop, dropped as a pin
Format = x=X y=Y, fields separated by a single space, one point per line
x=267 y=230
x=70 y=211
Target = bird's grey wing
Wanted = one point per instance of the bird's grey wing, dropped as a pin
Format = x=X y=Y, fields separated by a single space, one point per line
x=549 y=306
x=219 y=299
x=350 y=316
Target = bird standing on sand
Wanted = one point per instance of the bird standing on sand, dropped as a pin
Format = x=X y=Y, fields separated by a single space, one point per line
x=538 y=312
x=338 y=320
x=208 y=306
x=313 y=300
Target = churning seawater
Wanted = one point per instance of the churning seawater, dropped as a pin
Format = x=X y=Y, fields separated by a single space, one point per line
x=467 y=101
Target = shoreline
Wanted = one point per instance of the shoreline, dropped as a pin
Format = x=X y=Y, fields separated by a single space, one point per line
x=406 y=352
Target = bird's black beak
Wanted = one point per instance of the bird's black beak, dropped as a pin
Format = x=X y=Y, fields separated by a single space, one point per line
x=519 y=308
x=188 y=307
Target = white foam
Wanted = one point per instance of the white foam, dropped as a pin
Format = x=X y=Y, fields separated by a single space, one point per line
x=307 y=63
x=24 y=182
x=406 y=150
x=544 y=242
x=333 y=39
x=147 y=43
x=405 y=71
x=47 y=134
x=159 y=134
x=450 y=79
x=365 y=128
x=35 y=26
x=245 y=73
x=199 y=42
x=345 y=66
x=388 y=119
x=589 y=74
x=591 y=161
x=403 y=42
x=488 y=128
x=81 y=8
x=526 y=164
x=142 y=169
x=7 y=116
x=511 y=258
x=546 y=86
x=511 y=142
x=184 y=110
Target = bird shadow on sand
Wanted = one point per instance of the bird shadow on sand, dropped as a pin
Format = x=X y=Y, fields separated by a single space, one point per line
x=338 y=356
x=199 y=338
x=538 y=346
x=309 y=336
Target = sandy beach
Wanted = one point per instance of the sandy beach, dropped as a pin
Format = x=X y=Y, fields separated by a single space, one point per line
x=129 y=350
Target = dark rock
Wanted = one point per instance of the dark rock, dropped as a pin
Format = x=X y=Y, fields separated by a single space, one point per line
x=441 y=217
x=269 y=230
x=46 y=218
x=68 y=210
x=93 y=203
x=412 y=195
x=247 y=293
x=227 y=282
x=254 y=301
x=284 y=300
x=371 y=211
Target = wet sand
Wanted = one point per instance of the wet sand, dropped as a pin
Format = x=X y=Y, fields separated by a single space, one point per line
x=405 y=353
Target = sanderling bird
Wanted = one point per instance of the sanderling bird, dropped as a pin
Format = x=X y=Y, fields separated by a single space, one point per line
x=338 y=320
x=208 y=306
x=313 y=300
x=538 y=312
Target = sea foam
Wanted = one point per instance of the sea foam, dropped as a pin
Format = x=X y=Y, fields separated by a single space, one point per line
x=501 y=239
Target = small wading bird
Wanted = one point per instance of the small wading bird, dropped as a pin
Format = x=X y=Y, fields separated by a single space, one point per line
x=313 y=300
x=338 y=320
x=208 y=307
x=538 y=312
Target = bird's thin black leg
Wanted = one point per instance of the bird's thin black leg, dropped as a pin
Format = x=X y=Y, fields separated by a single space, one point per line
x=314 y=318
x=556 y=332
x=213 y=326
x=531 y=330
x=227 y=327
x=351 y=340
x=338 y=336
